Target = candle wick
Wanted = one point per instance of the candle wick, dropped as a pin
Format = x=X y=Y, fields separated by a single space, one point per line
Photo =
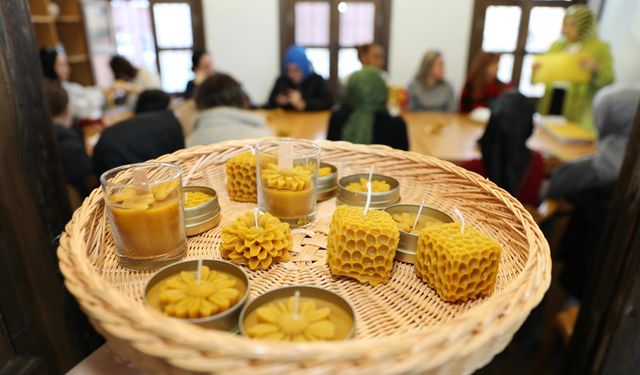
x=459 y=214
x=199 y=271
x=366 y=206
x=255 y=216
x=251 y=148
x=370 y=173
x=285 y=155
x=296 y=305
x=140 y=179
x=415 y=223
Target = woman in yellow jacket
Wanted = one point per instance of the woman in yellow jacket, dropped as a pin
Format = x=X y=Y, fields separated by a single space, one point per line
x=580 y=36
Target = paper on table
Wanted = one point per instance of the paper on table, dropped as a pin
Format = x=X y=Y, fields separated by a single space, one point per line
x=569 y=132
x=560 y=67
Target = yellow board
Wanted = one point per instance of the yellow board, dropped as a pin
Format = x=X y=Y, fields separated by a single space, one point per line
x=570 y=132
x=560 y=67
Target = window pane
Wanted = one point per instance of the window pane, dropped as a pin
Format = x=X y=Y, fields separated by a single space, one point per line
x=312 y=23
x=357 y=21
x=173 y=25
x=526 y=87
x=505 y=67
x=320 y=59
x=133 y=33
x=348 y=62
x=175 y=69
x=545 y=25
x=501 y=28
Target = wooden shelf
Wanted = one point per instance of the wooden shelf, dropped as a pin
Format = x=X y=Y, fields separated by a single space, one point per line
x=41 y=19
x=39 y=7
x=76 y=59
x=69 y=19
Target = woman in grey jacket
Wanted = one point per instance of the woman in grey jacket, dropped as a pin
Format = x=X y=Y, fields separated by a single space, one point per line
x=223 y=116
x=429 y=91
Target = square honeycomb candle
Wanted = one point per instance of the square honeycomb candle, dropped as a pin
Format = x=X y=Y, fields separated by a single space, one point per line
x=362 y=246
x=459 y=266
x=241 y=177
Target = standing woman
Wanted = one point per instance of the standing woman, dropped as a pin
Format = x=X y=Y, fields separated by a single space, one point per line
x=202 y=66
x=429 y=91
x=482 y=86
x=299 y=88
x=579 y=35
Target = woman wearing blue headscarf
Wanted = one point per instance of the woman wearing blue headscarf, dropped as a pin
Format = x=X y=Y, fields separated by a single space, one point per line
x=299 y=88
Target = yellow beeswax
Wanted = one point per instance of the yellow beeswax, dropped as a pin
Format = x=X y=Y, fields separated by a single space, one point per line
x=241 y=177
x=257 y=247
x=195 y=198
x=324 y=171
x=459 y=266
x=181 y=296
x=287 y=193
x=405 y=221
x=377 y=186
x=317 y=320
x=147 y=223
x=362 y=247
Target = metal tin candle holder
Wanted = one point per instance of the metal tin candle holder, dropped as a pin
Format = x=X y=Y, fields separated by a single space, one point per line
x=204 y=216
x=327 y=185
x=380 y=200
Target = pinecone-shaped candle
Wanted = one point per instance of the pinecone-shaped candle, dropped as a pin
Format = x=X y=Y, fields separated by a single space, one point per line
x=362 y=246
x=459 y=265
x=241 y=177
x=259 y=246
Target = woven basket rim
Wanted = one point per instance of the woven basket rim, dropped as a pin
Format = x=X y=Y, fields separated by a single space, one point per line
x=113 y=309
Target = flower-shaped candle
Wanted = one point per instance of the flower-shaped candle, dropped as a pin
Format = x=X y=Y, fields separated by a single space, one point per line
x=362 y=246
x=241 y=177
x=257 y=246
x=460 y=263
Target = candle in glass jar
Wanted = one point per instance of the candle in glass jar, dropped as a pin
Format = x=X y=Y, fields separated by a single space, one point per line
x=241 y=177
x=460 y=264
x=288 y=192
x=362 y=246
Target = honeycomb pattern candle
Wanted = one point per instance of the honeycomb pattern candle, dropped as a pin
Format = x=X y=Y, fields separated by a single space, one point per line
x=241 y=177
x=362 y=246
x=257 y=241
x=458 y=261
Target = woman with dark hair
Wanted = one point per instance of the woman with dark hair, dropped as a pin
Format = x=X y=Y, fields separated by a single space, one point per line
x=299 y=88
x=152 y=100
x=482 y=85
x=132 y=80
x=506 y=159
x=223 y=115
x=429 y=91
x=371 y=54
x=202 y=67
x=364 y=117
x=86 y=102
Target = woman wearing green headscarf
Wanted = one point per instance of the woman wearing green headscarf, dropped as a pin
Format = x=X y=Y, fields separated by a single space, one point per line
x=579 y=35
x=364 y=118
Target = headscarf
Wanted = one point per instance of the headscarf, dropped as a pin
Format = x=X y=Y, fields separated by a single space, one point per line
x=503 y=145
x=614 y=109
x=584 y=19
x=48 y=56
x=297 y=55
x=366 y=94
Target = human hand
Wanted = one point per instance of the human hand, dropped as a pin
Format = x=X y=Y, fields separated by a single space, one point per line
x=589 y=64
x=536 y=66
x=282 y=99
x=295 y=98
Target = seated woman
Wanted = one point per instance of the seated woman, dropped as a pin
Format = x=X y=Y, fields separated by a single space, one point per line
x=482 y=86
x=223 y=116
x=371 y=54
x=152 y=100
x=202 y=67
x=614 y=109
x=299 y=88
x=86 y=102
x=364 y=117
x=76 y=164
x=429 y=91
x=506 y=160
x=579 y=36
x=132 y=80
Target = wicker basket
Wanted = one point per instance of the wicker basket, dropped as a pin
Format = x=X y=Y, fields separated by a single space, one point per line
x=402 y=326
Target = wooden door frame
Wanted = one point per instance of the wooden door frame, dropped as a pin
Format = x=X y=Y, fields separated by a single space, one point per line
x=33 y=210
x=606 y=336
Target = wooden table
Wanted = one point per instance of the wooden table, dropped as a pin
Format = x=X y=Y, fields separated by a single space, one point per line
x=447 y=136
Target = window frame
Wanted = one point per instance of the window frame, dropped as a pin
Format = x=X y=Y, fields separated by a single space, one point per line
x=382 y=25
x=519 y=53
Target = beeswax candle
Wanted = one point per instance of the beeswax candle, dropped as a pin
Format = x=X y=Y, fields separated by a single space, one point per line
x=241 y=177
x=362 y=246
x=182 y=296
x=195 y=198
x=405 y=222
x=377 y=186
x=260 y=246
x=459 y=265
x=288 y=193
